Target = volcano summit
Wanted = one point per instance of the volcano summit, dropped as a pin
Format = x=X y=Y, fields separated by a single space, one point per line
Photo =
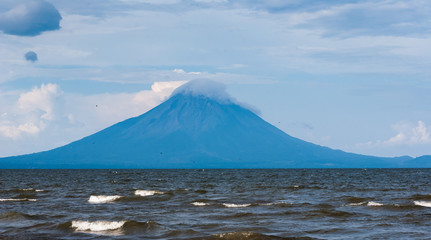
x=199 y=126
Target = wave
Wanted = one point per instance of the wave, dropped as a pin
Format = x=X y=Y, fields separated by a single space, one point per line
x=16 y=216
x=279 y=203
x=103 y=198
x=144 y=193
x=232 y=205
x=318 y=213
x=96 y=226
x=374 y=204
x=356 y=204
x=110 y=227
x=17 y=200
x=31 y=190
x=234 y=235
x=422 y=203
x=421 y=197
x=235 y=216
x=395 y=206
x=370 y=204
x=245 y=235
x=355 y=199
x=133 y=227
x=200 y=204
x=201 y=191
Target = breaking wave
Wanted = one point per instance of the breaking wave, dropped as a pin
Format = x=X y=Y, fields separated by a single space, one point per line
x=96 y=226
x=278 y=203
x=110 y=227
x=103 y=198
x=357 y=204
x=370 y=204
x=232 y=205
x=144 y=193
x=374 y=204
x=200 y=204
x=422 y=203
x=17 y=200
x=31 y=190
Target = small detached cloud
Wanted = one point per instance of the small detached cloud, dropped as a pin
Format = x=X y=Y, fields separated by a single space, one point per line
x=30 y=18
x=31 y=56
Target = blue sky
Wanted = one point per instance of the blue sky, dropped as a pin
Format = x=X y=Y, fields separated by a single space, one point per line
x=351 y=75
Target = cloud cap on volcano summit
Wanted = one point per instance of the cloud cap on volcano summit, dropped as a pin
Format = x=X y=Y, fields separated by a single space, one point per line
x=206 y=88
x=213 y=90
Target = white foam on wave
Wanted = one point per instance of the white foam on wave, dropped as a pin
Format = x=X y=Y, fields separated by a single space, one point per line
x=32 y=190
x=422 y=203
x=232 y=205
x=17 y=199
x=233 y=235
x=103 y=198
x=144 y=193
x=357 y=204
x=276 y=203
x=374 y=204
x=97 y=226
x=200 y=204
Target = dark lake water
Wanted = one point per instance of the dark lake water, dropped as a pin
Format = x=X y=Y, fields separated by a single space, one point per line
x=216 y=204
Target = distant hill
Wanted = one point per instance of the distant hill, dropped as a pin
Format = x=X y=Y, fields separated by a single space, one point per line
x=421 y=162
x=199 y=126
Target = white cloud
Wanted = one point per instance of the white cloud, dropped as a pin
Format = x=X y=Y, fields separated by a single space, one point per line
x=412 y=139
x=31 y=113
x=164 y=89
x=14 y=131
x=211 y=89
x=408 y=135
x=205 y=87
x=181 y=71
x=420 y=134
x=42 y=98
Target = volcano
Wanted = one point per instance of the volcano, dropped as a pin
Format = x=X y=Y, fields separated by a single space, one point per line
x=199 y=126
